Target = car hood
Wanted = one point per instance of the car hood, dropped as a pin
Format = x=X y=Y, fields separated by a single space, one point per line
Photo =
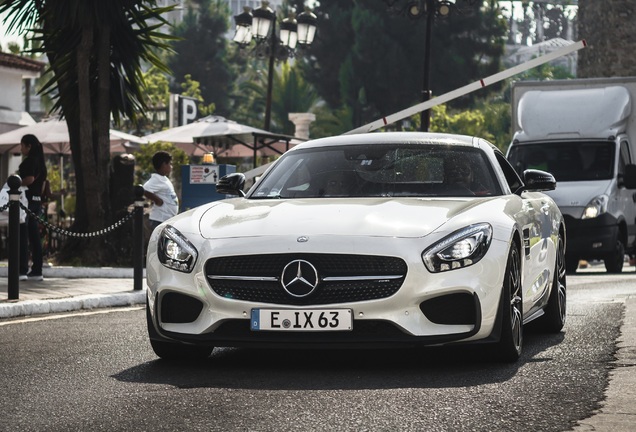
x=413 y=217
x=579 y=193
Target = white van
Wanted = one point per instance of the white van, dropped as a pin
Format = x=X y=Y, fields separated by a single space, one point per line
x=582 y=131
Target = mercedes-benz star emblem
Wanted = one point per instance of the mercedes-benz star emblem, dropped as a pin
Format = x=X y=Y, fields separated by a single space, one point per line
x=299 y=278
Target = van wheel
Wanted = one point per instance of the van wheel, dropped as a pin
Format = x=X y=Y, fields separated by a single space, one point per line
x=614 y=261
x=571 y=264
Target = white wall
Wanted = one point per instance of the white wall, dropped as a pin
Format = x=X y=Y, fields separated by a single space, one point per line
x=11 y=89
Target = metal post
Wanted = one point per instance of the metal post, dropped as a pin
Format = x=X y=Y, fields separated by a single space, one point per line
x=270 y=75
x=425 y=116
x=13 y=288
x=138 y=238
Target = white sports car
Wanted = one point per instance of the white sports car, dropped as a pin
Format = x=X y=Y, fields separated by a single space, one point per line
x=370 y=240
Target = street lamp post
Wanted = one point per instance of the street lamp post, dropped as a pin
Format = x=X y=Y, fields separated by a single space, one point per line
x=425 y=116
x=260 y=25
x=416 y=9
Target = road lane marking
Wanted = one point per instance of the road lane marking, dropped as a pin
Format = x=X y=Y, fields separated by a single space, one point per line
x=67 y=315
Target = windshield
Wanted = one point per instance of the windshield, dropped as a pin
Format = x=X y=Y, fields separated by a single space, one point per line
x=380 y=170
x=569 y=161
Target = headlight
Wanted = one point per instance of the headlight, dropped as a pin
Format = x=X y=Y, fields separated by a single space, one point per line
x=175 y=251
x=462 y=248
x=596 y=207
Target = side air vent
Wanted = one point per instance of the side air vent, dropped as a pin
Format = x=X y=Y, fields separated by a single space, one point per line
x=451 y=309
x=178 y=308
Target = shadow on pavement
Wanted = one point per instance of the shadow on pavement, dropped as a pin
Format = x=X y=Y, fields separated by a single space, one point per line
x=437 y=367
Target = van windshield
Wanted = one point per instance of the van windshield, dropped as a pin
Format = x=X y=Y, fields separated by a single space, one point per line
x=568 y=161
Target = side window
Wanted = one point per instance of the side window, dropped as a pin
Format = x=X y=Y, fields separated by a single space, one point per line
x=625 y=157
x=512 y=178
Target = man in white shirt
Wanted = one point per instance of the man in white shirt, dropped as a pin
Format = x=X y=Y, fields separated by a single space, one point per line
x=160 y=191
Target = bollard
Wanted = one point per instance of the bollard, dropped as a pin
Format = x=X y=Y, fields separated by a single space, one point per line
x=138 y=238
x=13 y=288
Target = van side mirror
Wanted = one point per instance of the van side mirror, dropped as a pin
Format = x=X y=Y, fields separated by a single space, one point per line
x=537 y=180
x=231 y=184
x=629 y=177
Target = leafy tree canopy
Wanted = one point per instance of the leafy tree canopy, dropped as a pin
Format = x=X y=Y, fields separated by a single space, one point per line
x=291 y=93
x=372 y=61
x=202 y=53
x=192 y=88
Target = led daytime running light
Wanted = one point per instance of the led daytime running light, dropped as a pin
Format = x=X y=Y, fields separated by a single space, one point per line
x=461 y=249
x=175 y=251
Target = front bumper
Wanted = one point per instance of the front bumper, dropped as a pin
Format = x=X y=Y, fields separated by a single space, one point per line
x=457 y=305
x=591 y=238
x=365 y=334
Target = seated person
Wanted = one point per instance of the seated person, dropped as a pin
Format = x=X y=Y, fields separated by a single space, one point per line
x=459 y=174
x=336 y=184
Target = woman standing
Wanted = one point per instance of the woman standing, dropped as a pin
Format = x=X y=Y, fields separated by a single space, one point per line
x=33 y=173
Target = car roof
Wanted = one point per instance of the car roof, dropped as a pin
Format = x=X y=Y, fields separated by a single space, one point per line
x=426 y=138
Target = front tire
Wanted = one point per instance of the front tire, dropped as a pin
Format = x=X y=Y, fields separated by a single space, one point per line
x=553 y=319
x=614 y=261
x=510 y=344
x=175 y=351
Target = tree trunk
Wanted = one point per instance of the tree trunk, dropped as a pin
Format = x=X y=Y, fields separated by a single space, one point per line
x=91 y=152
x=85 y=53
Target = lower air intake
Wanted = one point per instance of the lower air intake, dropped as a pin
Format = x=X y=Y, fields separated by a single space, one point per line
x=179 y=309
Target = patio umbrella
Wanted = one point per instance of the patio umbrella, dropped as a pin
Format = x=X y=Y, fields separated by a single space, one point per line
x=226 y=138
x=53 y=134
x=207 y=126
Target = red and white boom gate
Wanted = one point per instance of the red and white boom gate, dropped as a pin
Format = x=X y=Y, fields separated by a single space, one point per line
x=384 y=121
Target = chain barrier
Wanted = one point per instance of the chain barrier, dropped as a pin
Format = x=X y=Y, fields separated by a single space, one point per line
x=133 y=213
x=67 y=233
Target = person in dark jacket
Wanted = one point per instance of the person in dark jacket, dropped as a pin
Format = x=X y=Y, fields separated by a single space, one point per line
x=32 y=170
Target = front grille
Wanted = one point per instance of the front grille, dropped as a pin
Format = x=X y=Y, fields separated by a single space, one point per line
x=341 y=278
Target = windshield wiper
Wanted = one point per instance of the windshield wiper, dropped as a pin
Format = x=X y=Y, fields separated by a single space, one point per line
x=266 y=197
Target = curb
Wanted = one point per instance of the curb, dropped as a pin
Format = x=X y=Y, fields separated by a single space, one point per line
x=39 y=307
x=82 y=272
x=618 y=411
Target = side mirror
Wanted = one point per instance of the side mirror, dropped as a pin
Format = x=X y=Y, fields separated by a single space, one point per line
x=231 y=184
x=537 y=180
x=629 y=178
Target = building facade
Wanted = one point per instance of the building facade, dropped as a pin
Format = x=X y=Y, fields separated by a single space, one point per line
x=16 y=75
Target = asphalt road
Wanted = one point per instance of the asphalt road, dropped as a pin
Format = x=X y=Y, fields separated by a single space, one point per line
x=96 y=371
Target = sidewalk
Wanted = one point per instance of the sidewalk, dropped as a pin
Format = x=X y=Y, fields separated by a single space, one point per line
x=618 y=410
x=71 y=288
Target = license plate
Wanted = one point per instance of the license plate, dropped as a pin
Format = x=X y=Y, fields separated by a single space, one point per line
x=301 y=319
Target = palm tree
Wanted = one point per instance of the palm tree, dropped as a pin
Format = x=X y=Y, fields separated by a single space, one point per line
x=95 y=50
x=290 y=93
